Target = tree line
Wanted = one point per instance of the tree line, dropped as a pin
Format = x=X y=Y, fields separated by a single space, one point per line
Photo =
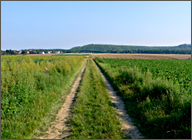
x=103 y=48
x=99 y=48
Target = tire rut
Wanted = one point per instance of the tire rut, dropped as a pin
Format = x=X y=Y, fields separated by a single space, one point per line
x=58 y=126
x=127 y=125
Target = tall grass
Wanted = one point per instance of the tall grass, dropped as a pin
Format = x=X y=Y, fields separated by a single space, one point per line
x=93 y=116
x=73 y=54
x=160 y=109
x=29 y=88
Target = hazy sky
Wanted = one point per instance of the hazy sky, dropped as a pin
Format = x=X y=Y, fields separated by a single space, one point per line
x=66 y=24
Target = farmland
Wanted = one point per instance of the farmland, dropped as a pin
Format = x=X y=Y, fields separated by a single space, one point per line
x=73 y=54
x=176 y=70
x=157 y=93
x=142 y=56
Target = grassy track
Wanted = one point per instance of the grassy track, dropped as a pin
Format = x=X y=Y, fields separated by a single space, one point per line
x=93 y=115
x=51 y=116
x=159 y=108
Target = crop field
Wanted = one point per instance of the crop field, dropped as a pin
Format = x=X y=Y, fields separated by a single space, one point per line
x=157 y=93
x=142 y=56
x=32 y=88
x=178 y=71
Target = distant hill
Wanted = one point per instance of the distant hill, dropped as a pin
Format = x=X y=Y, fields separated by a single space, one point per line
x=104 y=48
x=184 y=46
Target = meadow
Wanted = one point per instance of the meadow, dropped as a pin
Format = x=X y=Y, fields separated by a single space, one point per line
x=72 y=54
x=157 y=93
x=32 y=88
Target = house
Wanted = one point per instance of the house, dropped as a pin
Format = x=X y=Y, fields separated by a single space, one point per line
x=17 y=52
x=49 y=52
x=41 y=52
x=57 y=52
x=32 y=52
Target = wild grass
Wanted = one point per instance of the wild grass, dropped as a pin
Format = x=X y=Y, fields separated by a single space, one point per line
x=77 y=54
x=159 y=107
x=93 y=115
x=30 y=87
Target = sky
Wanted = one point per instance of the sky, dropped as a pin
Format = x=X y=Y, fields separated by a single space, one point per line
x=66 y=24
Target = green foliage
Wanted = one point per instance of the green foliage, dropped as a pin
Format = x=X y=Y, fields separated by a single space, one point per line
x=29 y=87
x=104 y=48
x=75 y=54
x=99 y=59
x=9 y=52
x=178 y=71
x=158 y=105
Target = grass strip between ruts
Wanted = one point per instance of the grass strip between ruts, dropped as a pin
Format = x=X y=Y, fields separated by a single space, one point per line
x=93 y=115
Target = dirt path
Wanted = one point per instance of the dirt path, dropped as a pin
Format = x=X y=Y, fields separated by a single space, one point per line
x=55 y=131
x=127 y=125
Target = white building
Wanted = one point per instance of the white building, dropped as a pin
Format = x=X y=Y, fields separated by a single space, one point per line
x=41 y=52
x=49 y=52
x=57 y=52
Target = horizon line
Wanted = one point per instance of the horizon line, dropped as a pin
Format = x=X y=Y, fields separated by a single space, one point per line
x=100 y=44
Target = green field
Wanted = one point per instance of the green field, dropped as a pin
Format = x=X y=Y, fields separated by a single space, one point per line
x=178 y=71
x=157 y=94
x=77 y=54
x=31 y=91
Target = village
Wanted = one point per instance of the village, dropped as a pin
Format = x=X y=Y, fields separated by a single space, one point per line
x=39 y=52
x=14 y=52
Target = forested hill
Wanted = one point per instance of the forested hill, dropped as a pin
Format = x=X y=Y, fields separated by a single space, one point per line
x=100 y=48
